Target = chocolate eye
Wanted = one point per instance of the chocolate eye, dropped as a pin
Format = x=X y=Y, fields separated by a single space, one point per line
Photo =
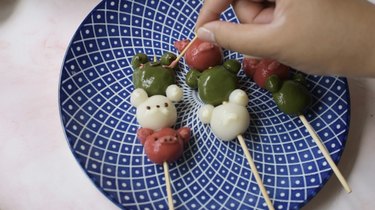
x=166 y=104
x=148 y=107
x=155 y=139
x=157 y=106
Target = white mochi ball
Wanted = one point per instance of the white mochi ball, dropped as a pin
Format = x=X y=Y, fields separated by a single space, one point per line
x=174 y=93
x=156 y=112
x=205 y=112
x=229 y=120
x=138 y=96
x=239 y=97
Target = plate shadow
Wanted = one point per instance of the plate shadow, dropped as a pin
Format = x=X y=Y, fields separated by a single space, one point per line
x=6 y=9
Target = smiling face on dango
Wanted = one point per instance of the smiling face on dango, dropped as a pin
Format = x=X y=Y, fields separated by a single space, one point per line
x=156 y=112
x=164 y=145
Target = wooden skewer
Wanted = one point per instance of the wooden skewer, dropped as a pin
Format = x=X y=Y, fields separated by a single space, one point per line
x=168 y=185
x=254 y=169
x=241 y=140
x=174 y=63
x=255 y=172
x=326 y=154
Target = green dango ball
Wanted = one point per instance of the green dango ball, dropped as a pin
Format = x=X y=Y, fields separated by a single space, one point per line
x=215 y=84
x=290 y=96
x=154 y=77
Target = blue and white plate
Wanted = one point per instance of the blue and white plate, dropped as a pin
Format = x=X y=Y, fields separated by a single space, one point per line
x=100 y=125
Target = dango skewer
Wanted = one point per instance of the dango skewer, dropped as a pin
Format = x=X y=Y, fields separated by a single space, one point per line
x=229 y=121
x=235 y=114
x=156 y=114
x=291 y=96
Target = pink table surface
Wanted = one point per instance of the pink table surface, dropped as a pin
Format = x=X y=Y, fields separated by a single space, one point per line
x=37 y=169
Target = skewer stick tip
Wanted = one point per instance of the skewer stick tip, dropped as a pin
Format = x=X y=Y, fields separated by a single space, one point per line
x=325 y=153
x=174 y=63
x=255 y=172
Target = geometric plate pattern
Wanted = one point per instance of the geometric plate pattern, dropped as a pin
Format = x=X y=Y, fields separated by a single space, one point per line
x=100 y=126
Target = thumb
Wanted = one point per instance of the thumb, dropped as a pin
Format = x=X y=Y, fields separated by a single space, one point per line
x=250 y=39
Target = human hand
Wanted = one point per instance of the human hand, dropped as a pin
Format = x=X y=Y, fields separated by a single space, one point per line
x=328 y=37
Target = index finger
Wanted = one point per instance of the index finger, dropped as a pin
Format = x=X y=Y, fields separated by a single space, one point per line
x=211 y=11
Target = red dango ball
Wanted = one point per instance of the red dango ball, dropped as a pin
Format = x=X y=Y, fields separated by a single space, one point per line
x=164 y=145
x=201 y=55
x=260 y=69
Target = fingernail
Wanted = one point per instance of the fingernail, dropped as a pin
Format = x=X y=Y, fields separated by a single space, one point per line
x=205 y=34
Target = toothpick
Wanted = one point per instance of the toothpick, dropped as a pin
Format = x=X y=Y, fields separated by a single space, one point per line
x=174 y=63
x=326 y=154
x=255 y=172
x=168 y=185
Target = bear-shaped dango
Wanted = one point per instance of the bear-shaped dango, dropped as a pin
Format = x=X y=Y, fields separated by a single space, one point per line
x=215 y=84
x=156 y=115
x=229 y=119
x=157 y=111
x=291 y=96
x=260 y=69
x=164 y=145
x=153 y=76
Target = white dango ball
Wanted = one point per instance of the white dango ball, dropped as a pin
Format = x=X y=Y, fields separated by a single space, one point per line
x=230 y=119
x=138 y=96
x=174 y=93
x=205 y=113
x=239 y=97
x=157 y=111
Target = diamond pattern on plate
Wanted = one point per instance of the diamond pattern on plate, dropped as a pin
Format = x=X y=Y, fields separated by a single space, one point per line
x=100 y=126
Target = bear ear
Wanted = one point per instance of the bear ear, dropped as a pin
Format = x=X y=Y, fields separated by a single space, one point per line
x=167 y=58
x=232 y=65
x=273 y=83
x=205 y=113
x=300 y=78
x=143 y=133
x=181 y=45
x=139 y=59
x=192 y=78
x=184 y=133
x=239 y=97
x=138 y=96
x=174 y=93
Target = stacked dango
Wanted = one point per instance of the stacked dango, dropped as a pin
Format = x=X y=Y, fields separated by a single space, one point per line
x=154 y=96
x=290 y=95
x=225 y=105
